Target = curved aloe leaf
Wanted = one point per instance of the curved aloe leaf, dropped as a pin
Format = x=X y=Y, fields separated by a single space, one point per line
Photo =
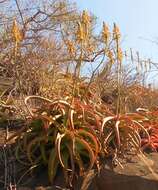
x=52 y=165
x=43 y=153
x=117 y=133
x=88 y=148
x=58 y=147
x=105 y=120
x=80 y=163
x=29 y=147
x=92 y=138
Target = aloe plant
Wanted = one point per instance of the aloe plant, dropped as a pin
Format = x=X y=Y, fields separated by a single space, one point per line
x=62 y=135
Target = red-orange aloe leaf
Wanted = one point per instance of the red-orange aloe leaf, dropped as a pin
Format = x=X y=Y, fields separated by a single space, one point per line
x=134 y=141
x=117 y=133
x=85 y=111
x=137 y=117
x=71 y=119
x=107 y=137
x=47 y=121
x=34 y=97
x=143 y=128
x=91 y=136
x=37 y=97
x=61 y=102
x=105 y=120
x=58 y=147
x=136 y=137
x=88 y=148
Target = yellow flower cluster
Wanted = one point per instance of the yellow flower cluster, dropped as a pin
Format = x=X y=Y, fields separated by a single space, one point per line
x=119 y=54
x=80 y=32
x=105 y=33
x=17 y=35
x=85 y=18
x=116 y=32
x=110 y=56
x=116 y=37
x=83 y=27
x=70 y=47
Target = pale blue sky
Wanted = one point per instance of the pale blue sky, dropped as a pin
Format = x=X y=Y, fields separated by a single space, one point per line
x=137 y=19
